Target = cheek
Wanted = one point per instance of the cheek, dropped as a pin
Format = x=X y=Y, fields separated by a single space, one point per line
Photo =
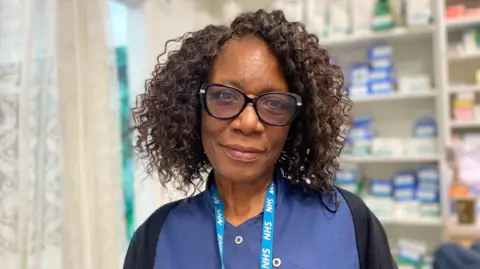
x=277 y=137
x=210 y=130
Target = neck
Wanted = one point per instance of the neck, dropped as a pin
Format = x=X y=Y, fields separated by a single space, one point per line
x=242 y=201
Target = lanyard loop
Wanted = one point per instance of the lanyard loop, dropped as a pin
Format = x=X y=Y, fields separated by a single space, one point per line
x=266 y=250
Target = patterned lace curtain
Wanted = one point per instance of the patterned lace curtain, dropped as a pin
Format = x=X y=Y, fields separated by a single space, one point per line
x=30 y=183
x=60 y=188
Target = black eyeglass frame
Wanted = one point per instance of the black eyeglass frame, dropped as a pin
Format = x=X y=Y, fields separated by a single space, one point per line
x=248 y=100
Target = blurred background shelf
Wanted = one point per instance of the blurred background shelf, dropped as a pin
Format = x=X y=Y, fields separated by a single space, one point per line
x=465 y=124
x=464 y=56
x=460 y=23
x=442 y=55
x=395 y=97
x=389 y=159
x=464 y=89
x=412 y=221
x=394 y=34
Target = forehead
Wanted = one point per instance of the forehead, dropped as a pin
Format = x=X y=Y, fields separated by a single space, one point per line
x=249 y=64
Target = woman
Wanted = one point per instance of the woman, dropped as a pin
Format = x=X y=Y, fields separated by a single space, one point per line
x=260 y=104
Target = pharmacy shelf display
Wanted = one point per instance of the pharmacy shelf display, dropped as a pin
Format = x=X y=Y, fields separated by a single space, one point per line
x=405 y=72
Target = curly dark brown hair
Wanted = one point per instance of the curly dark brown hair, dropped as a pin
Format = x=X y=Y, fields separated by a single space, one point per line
x=167 y=115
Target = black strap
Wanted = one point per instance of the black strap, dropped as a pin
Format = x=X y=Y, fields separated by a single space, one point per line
x=372 y=242
x=142 y=248
x=360 y=220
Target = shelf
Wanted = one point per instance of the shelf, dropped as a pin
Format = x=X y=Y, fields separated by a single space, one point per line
x=462 y=231
x=382 y=159
x=460 y=23
x=465 y=124
x=394 y=97
x=463 y=89
x=418 y=221
x=396 y=33
x=462 y=56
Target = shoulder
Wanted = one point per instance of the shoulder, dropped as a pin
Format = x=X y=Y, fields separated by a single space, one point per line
x=356 y=205
x=179 y=207
x=372 y=242
x=141 y=251
x=361 y=215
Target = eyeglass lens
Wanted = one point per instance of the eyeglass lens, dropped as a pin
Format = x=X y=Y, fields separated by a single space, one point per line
x=273 y=108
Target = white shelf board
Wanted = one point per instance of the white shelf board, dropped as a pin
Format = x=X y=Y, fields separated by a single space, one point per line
x=410 y=221
x=396 y=33
x=462 y=231
x=465 y=124
x=385 y=159
x=463 y=88
x=394 y=97
x=460 y=23
x=462 y=56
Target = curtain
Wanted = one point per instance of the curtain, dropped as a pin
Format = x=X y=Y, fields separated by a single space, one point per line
x=94 y=223
x=61 y=203
x=30 y=182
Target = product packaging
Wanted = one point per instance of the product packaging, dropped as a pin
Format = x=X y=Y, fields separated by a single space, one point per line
x=382 y=16
x=361 y=135
x=425 y=127
x=414 y=83
x=422 y=146
x=388 y=147
x=381 y=65
x=411 y=251
x=338 y=18
x=464 y=107
x=316 y=12
x=381 y=188
x=348 y=178
x=418 y=12
x=362 y=14
x=405 y=184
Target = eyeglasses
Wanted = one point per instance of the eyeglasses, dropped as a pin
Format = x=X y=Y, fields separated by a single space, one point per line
x=272 y=108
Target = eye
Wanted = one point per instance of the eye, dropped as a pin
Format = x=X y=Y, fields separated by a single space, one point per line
x=225 y=95
x=274 y=103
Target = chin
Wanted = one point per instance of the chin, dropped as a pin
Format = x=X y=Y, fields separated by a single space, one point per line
x=245 y=173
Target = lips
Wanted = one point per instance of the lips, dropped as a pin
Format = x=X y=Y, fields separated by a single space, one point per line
x=243 y=153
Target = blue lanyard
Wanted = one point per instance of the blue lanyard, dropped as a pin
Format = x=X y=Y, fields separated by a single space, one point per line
x=267 y=229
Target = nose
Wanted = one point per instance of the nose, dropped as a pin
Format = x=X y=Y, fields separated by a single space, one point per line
x=248 y=122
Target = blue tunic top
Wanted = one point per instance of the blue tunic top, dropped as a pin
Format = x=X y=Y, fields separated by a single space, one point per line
x=306 y=236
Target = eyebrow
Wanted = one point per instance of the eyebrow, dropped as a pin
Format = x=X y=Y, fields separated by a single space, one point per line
x=237 y=83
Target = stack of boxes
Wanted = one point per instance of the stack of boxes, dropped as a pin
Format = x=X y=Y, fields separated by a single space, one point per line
x=464 y=107
x=428 y=191
x=416 y=193
x=381 y=70
x=406 y=195
x=374 y=77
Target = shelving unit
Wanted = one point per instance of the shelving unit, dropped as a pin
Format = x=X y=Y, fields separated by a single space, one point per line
x=465 y=124
x=389 y=159
x=424 y=221
x=464 y=56
x=394 y=34
x=462 y=23
x=394 y=97
x=416 y=49
x=464 y=88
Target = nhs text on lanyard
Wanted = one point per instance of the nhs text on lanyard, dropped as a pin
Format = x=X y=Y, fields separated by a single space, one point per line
x=267 y=229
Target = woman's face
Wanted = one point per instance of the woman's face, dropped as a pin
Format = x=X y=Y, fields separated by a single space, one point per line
x=244 y=149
